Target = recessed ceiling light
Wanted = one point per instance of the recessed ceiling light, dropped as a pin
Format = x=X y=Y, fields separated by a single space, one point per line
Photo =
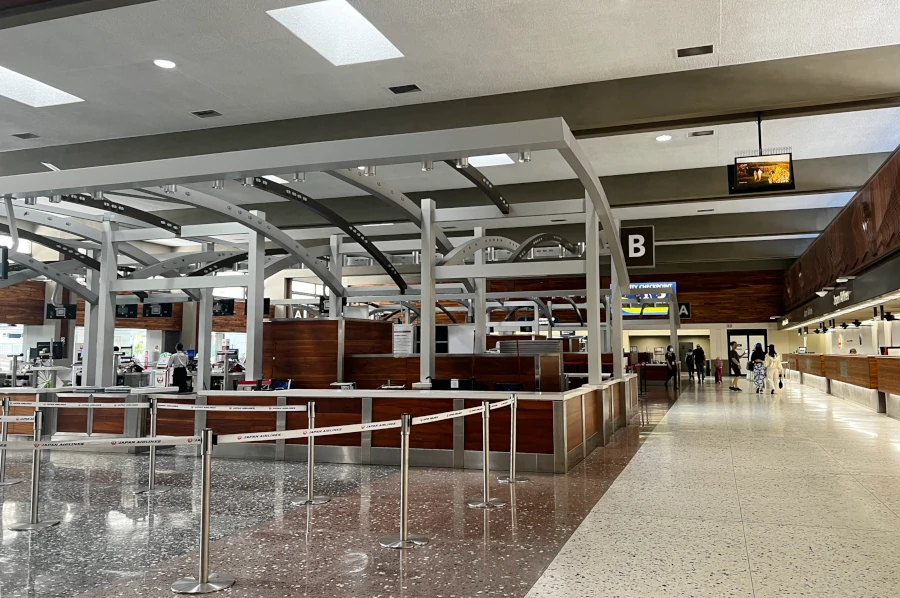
x=337 y=31
x=275 y=179
x=206 y=113
x=706 y=210
x=164 y=64
x=32 y=92
x=401 y=89
x=26 y=135
x=694 y=51
x=491 y=160
x=703 y=133
x=50 y=166
x=664 y=138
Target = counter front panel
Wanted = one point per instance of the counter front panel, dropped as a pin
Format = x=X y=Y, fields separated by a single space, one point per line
x=858 y=370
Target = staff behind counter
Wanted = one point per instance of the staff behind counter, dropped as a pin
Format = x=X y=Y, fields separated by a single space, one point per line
x=177 y=364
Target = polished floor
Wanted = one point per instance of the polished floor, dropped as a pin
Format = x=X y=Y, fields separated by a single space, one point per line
x=111 y=543
x=738 y=494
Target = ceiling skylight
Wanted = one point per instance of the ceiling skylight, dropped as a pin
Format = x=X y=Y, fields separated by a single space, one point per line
x=275 y=179
x=491 y=160
x=337 y=31
x=31 y=92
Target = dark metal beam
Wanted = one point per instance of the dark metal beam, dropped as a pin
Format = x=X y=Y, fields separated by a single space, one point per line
x=230 y=261
x=117 y=208
x=56 y=245
x=484 y=184
x=336 y=220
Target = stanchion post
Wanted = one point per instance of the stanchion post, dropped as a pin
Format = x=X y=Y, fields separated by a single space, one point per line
x=486 y=501
x=512 y=478
x=152 y=488
x=311 y=498
x=206 y=582
x=4 y=434
x=404 y=539
x=35 y=523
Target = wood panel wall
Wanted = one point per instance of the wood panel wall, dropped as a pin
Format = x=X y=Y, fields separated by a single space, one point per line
x=306 y=351
x=811 y=364
x=889 y=374
x=23 y=304
x=368 y=337
x=173 y=323
x=865 y=232
x=238 y=321
x=861 y=370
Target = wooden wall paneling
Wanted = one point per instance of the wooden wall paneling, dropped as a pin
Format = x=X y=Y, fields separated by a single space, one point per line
x=811 y=364
x=170 y=422
x=141 y=323
x=25 y=428
x=225 y=422
x=534 y=428
x=437 y=435
x=551 y=379
x=73 y=421
x=491 y=340
x=107 y=421
x=505 y=369
x=372 y=372
x=864 y=233
x=329 y=412
x=23 y=304
x=591 y=414
x=306 y=351
x=499 y=429
x=574 y=423
x=856 y=368
x=368 y=337
x=888 y=374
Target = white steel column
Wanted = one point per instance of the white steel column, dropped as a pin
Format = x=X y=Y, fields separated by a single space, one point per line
x=427 y=319
x=204 y=333
x=673 y=334
x=615 y=300
x=592 y=279
x=479 y=301
x=336 y=267
x=256 y=252
x=106 y=308
x=89 y=361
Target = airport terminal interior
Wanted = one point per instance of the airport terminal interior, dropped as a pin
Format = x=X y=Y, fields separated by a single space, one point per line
x=429 y=299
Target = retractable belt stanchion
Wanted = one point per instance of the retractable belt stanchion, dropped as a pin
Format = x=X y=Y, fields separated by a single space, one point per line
x=152 y=488
x=311 y=498
x=4 y=433
x=206 y=582
x=512 y=478
x=404 y=539
x=486 y=502
x=35 y=523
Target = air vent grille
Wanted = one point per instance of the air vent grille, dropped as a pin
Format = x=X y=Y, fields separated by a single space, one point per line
x=695 y=51
x=206 y=114
x=400 y=89
x=26 y=136
x=706 y=133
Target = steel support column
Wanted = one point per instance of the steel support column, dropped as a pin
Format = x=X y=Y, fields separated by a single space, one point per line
x=106 y=308
x=592 y=277
x=427 y=319
x=336 y=267
x=256 y=256
x=480 y=300
x=615 y=300
x=204 y=334
x=91 y=313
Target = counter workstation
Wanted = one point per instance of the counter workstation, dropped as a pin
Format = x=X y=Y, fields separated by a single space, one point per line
x=556 y=430
x=867 y=380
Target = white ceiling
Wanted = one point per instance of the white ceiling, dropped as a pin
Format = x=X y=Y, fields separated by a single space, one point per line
x=234 y=58
x=775 y=203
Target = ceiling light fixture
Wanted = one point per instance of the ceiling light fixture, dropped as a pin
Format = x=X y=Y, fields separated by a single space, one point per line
x=170 y=189
x=98 y=195
x=32 y=92
x=524 y=157
x=337 y=31
x=164 y=64
x=843 y=279
x=56 y=199
x=821 y=293
x=369 y=170
x=491 y=160
x=299 y=177
x=218 y=184
x=30 y=201
x=462 y=162
x=50 y=166
x=663 y=138
x=427 y=165
x=247 y=181
x=275 y=179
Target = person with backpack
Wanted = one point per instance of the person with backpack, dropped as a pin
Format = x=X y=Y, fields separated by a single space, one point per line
x=689 y=360
x=700 y=363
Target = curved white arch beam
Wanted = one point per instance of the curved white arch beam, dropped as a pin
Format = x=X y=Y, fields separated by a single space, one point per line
x=172 y=264
x=257 y=224
x=65 y=267
x=383 y=191
x=55 y=275
x=459 y=255
x=540 y=239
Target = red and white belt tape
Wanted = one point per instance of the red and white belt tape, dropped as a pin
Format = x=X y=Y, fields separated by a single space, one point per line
x=11 y=419
x=189 y=407
x=306 y=433
x=501 y=404
x=428 y=419
x=112 y=442
x=84 y=405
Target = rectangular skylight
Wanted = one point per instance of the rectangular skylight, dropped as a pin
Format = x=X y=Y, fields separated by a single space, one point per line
x=31 y=92
x=337 y=31
x=275 y=179
x=491 y=160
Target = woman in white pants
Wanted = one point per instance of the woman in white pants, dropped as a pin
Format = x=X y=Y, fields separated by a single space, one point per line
x=774 y=371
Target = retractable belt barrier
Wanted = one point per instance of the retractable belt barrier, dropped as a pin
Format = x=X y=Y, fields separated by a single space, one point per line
x=55 y=405
x=189 y=407
x=59 y=444
x=17 y=419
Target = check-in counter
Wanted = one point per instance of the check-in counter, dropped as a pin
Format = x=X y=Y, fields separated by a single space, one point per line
x=889 y=384
x=555 y=430
x=25 y=394
x=812 y=371
x=854 y=378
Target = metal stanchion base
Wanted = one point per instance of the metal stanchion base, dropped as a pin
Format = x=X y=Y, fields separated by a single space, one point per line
x=10 y=482
x=151 y=491
x=316 y=500
x=32 y=527
x=494 y=503
x=516 y=480
x=217 y=581
x=412 y=540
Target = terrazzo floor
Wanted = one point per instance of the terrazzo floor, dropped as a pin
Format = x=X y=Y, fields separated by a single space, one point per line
x=738 y=494
x=111 y=543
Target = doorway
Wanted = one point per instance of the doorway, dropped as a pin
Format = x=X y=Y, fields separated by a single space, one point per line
x=746 y=340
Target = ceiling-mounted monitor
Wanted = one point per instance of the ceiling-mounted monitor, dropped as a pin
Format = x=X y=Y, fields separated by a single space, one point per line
x=759 y=174
x=223 y=307
x=157 y=310
x=128 y=310
x=61 y=312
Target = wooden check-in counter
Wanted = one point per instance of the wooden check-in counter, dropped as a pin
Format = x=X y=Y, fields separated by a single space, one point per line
x=851 y=377
x=889 y=384
x=555 y=430
x=29 y=395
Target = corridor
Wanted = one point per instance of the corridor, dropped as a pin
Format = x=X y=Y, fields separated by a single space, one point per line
x=737 y=494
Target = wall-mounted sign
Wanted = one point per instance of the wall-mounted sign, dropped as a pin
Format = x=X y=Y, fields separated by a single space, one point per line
x=841 y=297
x=158 y=310
x=638 y=246
x=129 y=310
x=223 y=307
x=684 y=311
x=61 y=312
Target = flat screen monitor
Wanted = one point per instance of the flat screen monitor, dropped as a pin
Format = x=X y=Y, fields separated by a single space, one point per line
x=223 y=307
x=157 y=310
x=758 y=174
x=129 y=310
x=61 y=312
x=58 y=349
x=191 y=353
x=43 y=348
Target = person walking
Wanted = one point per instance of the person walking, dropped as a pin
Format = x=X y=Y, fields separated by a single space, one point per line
x=671 y=367
x=758 y=361
x=734 y=364
x=774 y=369
x=689 y=360
x=718 y=364
x=700 y=363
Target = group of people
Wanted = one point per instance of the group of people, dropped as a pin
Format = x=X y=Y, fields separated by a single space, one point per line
x=766 y=366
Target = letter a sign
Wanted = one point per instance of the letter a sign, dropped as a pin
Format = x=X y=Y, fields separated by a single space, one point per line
x=638 y=246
